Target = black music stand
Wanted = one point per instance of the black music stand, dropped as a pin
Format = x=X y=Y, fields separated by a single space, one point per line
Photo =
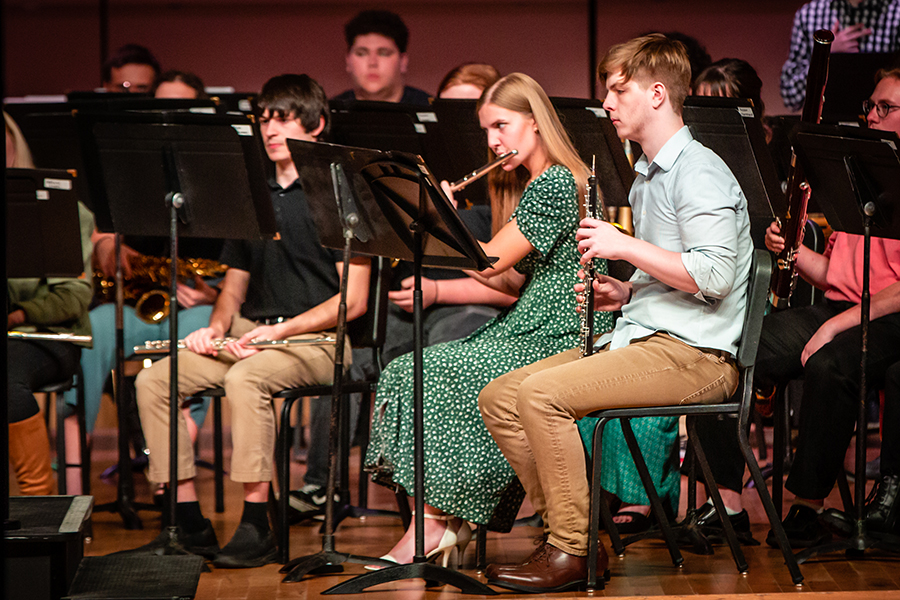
x=850 y=77
x=730 y=128
x=54 y=139
x=174 y=175
x=43 y=239
x=856 y=175
x=402 y=213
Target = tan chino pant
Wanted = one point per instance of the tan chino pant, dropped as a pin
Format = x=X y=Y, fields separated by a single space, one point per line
x=249 y=385
x=531 y=413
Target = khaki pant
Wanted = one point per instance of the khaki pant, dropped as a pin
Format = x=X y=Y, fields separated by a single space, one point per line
x=531 y=413
x=249 y=385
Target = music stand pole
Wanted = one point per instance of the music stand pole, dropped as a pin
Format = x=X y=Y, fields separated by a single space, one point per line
x=124 y=503
x=329 y=560
x=420 y=568
x=861 y=540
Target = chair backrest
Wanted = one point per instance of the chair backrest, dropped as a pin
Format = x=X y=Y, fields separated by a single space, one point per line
x=757 y=295
x=369 y=330
x=805 y=294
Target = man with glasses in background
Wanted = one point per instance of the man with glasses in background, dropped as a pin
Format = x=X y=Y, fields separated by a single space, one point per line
x=821 y=343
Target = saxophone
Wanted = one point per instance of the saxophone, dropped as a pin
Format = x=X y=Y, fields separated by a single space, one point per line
x=148 y=287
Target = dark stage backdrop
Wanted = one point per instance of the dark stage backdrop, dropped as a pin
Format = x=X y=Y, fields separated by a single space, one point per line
x=52 y=46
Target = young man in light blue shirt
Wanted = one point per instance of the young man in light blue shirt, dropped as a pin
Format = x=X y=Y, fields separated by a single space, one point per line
x=681 y=311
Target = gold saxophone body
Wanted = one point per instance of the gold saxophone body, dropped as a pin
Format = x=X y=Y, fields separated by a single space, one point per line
x=147 y=290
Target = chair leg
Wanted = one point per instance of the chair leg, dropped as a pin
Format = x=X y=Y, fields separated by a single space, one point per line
x=365 y=407
x=599 y=509
x=772 y=511
x=283 y=451
x=604 y=512
x=61 y=462
x=82 y=436
x=779 y=449
x=655 y=503
x=218 y=458
x=739 y=560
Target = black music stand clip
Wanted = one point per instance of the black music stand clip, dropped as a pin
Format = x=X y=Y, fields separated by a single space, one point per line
x=396 y=197
x=844 y=163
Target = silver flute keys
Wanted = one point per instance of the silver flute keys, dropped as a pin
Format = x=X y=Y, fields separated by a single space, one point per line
x=159 y=346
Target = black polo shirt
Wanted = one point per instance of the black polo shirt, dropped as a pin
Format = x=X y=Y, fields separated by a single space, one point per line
x=290 y=275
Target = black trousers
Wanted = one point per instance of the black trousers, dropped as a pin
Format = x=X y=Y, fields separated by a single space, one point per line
x=32 y=364
x=830 y=396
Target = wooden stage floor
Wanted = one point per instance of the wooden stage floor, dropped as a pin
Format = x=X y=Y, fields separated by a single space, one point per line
x=644 y=571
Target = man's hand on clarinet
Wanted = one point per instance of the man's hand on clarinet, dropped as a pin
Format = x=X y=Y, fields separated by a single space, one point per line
x=598 y=239
x=609 y=293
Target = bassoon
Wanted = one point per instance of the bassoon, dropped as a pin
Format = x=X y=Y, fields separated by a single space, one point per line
x=798 y=191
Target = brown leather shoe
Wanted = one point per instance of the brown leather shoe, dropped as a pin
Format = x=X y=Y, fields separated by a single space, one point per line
x=495 y=569
x=550 y=570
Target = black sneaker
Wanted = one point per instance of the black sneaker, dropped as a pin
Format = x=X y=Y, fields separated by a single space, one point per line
x=802 y=527
x=308 y=502
x=249 y=547
x=202 y=543
x=711 y=526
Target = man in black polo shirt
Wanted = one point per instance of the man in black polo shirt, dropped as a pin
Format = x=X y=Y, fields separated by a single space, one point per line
x=273 y=289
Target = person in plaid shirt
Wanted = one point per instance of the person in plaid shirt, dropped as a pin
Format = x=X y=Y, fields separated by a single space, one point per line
x=858 y=26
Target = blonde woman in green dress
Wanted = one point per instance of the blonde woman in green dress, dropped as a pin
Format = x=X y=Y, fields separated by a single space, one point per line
x=467 y=479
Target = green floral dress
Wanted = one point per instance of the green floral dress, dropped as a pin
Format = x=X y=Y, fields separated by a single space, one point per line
x=465 y=473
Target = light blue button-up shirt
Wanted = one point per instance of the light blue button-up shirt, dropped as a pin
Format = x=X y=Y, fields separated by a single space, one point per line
x=688 y=201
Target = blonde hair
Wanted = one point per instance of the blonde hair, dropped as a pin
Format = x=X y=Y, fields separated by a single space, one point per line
x=522 y=94
x=23 y=158
x=653 y=57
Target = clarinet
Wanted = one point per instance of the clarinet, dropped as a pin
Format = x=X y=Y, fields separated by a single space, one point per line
x=594 y=210
x=798 y=191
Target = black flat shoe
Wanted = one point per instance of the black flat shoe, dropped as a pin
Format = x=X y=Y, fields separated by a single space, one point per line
x=802 y=527
x=249 y=547
x=709 y=523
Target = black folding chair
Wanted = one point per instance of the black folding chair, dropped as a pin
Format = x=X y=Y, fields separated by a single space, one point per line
x=738 y=406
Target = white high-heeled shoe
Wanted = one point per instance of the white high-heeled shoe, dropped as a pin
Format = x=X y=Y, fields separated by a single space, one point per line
x=452 y=538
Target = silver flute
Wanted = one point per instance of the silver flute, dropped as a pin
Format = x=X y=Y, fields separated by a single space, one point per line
x=50 y=337
x=482 y=171
x=160 y=346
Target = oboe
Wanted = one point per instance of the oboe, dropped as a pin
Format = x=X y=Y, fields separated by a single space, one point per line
x=594 y=210
x=160 y=346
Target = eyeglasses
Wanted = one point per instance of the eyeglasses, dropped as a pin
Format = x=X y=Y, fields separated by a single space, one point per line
x=882 y=109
